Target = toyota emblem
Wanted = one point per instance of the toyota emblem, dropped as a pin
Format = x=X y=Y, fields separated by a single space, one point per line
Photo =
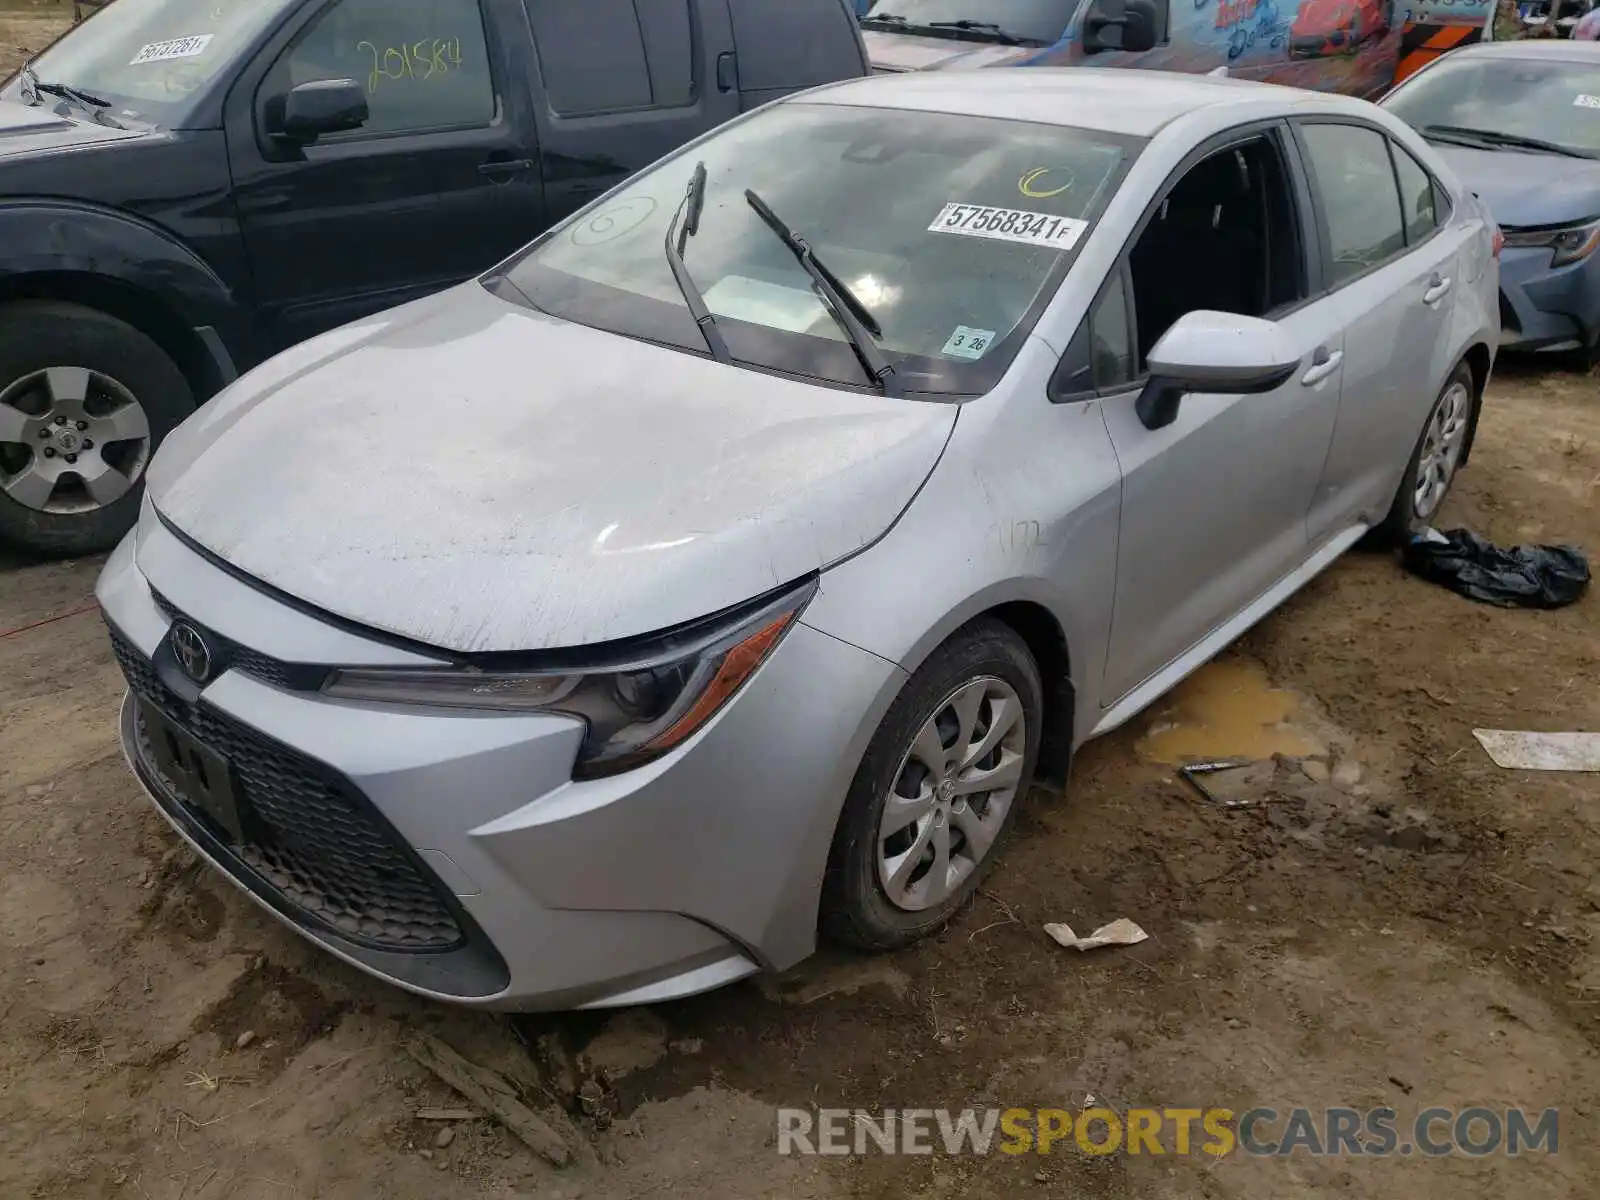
x=191 y=651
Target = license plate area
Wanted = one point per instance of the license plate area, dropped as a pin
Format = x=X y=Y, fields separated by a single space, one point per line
x=203 y=779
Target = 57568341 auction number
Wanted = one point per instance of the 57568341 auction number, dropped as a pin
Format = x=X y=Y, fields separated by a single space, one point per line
x=1009 y=225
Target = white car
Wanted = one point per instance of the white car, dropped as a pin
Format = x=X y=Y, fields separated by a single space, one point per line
x=728 y=563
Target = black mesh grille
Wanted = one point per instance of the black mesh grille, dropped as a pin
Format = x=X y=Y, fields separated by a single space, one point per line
x=310 y=834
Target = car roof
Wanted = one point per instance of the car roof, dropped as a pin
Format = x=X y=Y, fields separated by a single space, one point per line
x=1557 y=49
x=1113 y=100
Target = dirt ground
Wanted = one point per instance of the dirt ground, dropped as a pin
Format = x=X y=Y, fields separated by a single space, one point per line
x=27 y=27
x=1421 y=928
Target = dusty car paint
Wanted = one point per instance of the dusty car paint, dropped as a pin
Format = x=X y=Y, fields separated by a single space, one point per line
x=718 y=487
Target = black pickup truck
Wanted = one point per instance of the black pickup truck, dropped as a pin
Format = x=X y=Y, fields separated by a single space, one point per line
x=189 y=186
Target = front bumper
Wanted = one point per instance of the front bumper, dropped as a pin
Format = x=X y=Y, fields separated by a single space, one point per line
x=450 y=853
x=1545 y=308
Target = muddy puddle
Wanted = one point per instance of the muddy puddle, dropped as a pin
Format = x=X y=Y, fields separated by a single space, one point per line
x=1228 y=709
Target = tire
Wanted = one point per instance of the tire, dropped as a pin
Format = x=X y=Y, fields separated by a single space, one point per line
x=862 y=909
x=62 y=493
x=1457 y=404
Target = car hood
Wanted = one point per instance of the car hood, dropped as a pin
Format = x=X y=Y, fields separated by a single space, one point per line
x=27 y=129
x=478 y=476
x=889 y=52
x=1523 y=188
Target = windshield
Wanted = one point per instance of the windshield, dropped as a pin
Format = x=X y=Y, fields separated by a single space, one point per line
x=1041 y=21
x=950 y=230
x=1507 y=98
x=150 y=58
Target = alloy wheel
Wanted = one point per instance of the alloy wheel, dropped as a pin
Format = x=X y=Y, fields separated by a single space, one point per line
x=1442 y=443
x=948 y=803
x=72 y=440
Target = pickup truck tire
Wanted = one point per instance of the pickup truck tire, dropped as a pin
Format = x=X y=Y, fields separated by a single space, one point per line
x=85 y=399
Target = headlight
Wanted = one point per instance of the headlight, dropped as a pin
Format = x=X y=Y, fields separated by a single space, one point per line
x=1571 y=243
x=637 y=705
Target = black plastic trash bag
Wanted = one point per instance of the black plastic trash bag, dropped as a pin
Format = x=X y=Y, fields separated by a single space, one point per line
x=1521 y=577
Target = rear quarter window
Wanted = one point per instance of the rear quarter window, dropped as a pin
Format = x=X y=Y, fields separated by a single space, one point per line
x=794 y=44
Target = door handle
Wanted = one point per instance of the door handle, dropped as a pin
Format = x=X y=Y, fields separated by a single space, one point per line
x=727 y=78
x=1437 y=287
x=1323 y=365
x=497 y=167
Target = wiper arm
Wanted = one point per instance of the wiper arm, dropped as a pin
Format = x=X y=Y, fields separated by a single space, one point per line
x=1492 y=137
x=90 y=103
x=694 y=199
x=854 y=317
x=997 y=32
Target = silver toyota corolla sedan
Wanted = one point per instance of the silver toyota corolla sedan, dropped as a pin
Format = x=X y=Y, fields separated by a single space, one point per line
x=725 y=566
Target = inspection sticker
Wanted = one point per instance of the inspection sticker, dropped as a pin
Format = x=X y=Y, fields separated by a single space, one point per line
x=967 y=342
x=1584 y=100
x=1009 y=225
x=189 y=47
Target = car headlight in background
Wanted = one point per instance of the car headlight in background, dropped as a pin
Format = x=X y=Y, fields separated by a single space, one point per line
x=1570 y=243
x=636 y=707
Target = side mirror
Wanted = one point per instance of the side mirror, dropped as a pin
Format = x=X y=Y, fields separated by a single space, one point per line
x=1128 y=25
x=1217 y=353
x=321 y=106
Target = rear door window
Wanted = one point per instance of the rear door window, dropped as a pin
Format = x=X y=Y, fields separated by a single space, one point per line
x=601 y=56
x=1360 y=199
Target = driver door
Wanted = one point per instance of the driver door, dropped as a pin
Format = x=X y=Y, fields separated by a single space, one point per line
x=1214 y=505
x=440 y=184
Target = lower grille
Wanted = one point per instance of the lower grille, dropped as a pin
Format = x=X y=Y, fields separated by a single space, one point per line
x=311 y=836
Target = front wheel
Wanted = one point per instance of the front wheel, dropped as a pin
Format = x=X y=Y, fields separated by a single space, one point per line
x=936 y=791
x=85 y=399
x=1434 y=462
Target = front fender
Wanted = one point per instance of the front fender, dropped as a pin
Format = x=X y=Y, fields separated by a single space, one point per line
x=69 y=237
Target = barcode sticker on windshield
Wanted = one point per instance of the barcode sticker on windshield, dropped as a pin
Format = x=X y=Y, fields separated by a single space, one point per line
x=189 y=47
x=1009 y=225
x=1583 y=100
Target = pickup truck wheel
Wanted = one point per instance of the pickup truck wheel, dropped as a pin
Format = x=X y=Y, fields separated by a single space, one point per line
x=85 y=399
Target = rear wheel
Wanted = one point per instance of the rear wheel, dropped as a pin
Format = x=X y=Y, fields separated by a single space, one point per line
x=85 y=399
x=1435 y=460
x=936 y=791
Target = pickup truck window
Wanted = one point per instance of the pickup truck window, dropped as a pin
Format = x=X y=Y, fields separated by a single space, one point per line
x=424 y=63
x=952 y=230
x=612 y=55
x=150 y=58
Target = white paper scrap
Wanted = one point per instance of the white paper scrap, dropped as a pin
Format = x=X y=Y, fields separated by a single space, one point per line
x=1121 y=932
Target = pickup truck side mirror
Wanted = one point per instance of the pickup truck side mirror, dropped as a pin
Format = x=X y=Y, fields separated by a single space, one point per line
x=1128 y=25
x=321 y=106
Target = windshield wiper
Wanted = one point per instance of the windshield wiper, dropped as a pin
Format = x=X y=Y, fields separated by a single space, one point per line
x=33 y=88
x=987 y=28
x=854 y=317
x=894 y=19
x=678 y=235
x=1496 y=139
